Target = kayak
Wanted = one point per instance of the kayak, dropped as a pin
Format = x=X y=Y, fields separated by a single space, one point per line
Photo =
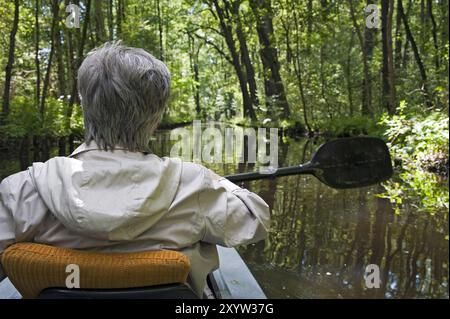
x=232 y=280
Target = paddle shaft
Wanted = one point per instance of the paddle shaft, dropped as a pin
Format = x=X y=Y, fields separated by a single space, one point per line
x=284 y=171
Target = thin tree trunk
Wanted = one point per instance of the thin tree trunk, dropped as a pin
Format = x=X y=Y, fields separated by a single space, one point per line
x=62 y=88
x=348 y=72
x=60 y=63
x=434 y=33
x=36 y=53
x=76 y=63
x=227 y=33
x=298 y=72
x=110 y=20
x=10 y=63
x=389 y=96
x=245 y=56
x=197 y=86
x=99 y=22
x=423 y=22
x=55 y=11
x=366 y=108
x=323 y=49
x=119 y=17
x=398 y=41
x=193 y=59
x=274 y=88
x=369 y=46
x=71 y=63
x=309 y=6
x=444 y=24
x=405 y=56
x=422 y=71
x=160 y=31
x=37 y=62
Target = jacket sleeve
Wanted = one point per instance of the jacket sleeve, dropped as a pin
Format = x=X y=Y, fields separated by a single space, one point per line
x=232 y=215
x=6 y=227
x=21 y=210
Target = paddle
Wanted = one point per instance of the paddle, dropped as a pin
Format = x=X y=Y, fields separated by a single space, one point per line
x=342 y=163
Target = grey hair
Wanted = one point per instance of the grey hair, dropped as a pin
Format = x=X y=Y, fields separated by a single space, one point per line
x=123 y=92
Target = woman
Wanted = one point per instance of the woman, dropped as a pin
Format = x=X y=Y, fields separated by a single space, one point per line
x=112 y=194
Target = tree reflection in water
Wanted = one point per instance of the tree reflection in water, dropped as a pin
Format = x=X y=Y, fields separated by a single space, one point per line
x=321 y=239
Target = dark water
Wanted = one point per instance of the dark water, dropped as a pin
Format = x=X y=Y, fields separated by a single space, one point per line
x=322 y=239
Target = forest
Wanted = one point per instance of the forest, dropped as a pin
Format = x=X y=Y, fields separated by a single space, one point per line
x=310 y=67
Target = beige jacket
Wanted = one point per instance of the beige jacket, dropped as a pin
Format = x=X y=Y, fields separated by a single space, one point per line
x=124 y=201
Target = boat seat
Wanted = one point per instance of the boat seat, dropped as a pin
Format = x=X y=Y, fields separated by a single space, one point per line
x=40 y=271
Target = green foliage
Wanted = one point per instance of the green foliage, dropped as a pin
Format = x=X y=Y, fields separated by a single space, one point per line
x=419 y=143
x=22 y=120
x=349 y=126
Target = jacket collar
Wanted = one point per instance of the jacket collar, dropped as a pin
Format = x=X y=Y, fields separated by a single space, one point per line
x=94 y=147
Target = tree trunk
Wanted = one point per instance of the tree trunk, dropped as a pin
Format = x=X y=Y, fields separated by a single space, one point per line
x=275 y=94
x=120 y=16
x=389 y=96
x=99 y=19
x=160 y=31
x=423 y=22
x=10 y=63
x=298 y=71
x=309 y=9
x=322 y=59
x=245 y=56
x=444 y=24
x=62 y=90
x=110 y=20
x=366 y=48
x=434 y=33
x=55 y=11
x=227 y=33
x=193 y=59
x=76 y=64
x=398 y=42
x=411 y=40
x=405 y=56
x=369 y=45
x=36 y=53
x=348 y=72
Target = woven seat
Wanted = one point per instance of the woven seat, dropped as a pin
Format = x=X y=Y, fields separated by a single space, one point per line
x=35 y=267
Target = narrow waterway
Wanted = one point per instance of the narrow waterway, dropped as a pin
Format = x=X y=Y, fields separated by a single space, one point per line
x=322 y=239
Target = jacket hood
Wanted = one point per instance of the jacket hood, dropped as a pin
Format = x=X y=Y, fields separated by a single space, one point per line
x=108 y=195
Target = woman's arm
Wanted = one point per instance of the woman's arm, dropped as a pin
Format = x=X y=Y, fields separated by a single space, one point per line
x=233 y=216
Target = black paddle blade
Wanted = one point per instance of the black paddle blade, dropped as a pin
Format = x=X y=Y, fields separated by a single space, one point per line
x=352 y=162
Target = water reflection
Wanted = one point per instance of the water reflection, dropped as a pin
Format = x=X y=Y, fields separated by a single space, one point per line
x=322 y=239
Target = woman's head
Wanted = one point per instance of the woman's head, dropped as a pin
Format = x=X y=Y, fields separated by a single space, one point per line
x=123 y=92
